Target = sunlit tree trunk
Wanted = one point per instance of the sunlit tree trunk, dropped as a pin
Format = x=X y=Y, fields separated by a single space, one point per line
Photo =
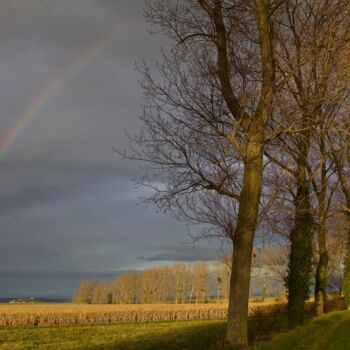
x=237 y=326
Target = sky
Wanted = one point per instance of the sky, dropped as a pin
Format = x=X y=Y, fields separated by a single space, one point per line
x=68 y=92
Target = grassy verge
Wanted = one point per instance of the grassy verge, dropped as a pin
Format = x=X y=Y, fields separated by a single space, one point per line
x=330 y=332
x=171 y=335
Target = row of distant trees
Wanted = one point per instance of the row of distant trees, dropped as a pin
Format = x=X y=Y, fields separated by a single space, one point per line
x=181 y=283
x=202 y=282
x=178 y=283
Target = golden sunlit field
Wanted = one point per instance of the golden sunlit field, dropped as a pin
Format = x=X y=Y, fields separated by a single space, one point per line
x=80 y=314
x=112 y=327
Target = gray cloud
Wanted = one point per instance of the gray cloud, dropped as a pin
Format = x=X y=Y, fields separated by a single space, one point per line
x=183 y=252
x=67 y=201
x=39 y=252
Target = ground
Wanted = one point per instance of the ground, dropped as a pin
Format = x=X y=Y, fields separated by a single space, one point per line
x=329 y=332
x=171 y=335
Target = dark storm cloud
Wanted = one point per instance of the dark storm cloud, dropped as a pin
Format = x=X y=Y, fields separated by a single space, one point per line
x=184 y=252
x=39 y=252
x=47 y=284
x=67 y=201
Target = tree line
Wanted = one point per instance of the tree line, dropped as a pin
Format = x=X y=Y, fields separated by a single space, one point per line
x=246 y=132
x=178 y=283
x=181 y=283
x=202 y=281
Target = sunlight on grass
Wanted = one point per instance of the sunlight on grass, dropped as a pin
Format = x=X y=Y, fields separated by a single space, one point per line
x=330 y=332
x=190 y=335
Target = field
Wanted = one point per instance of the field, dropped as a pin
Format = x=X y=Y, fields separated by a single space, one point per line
x=170 y=335
x=326 y=333
x=76 y=314
x=330 y=332
x=128 y=336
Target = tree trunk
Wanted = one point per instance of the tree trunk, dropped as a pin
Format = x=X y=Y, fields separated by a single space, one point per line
x=346 y=278
x=191 y=294
x=346 y=191
x=321 y=271
x=237 y=325
x=263 y=293
x=321 y=277
x=300 y=264
x=254 y=131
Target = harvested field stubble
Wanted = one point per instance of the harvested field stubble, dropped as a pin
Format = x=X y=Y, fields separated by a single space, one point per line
x=74 y=314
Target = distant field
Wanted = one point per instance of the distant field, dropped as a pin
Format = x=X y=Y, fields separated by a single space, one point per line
x=77 y=314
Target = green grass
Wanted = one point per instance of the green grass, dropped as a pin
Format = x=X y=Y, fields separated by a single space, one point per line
x=171 y=335
x=330 y=332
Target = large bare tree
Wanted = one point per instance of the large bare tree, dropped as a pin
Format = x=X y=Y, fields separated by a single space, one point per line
x=205 y=119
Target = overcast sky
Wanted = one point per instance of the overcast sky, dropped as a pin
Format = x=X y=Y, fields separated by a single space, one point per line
x=67 y=201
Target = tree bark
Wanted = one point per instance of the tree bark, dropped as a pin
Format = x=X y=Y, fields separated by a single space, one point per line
x=321 y=274
x=346 y=278
x=237 y=326
x=321 y=271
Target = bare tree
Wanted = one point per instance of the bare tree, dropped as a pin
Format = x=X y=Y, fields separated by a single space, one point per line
x=337 y=248
x=126 y=288
x=180 y=272
x=102 y=293
x=269 y=271
x=342 y=165
x=201 y=285
x=84 y=293
x=205 y=121
x=311 y=35
x=222 y=276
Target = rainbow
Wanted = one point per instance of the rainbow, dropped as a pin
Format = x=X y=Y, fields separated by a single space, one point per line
x=49 y=90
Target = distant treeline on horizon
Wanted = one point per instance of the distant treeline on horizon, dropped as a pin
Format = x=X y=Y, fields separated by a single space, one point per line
x=179 y=282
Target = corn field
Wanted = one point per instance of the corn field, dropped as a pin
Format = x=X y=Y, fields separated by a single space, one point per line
x=73 y=314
